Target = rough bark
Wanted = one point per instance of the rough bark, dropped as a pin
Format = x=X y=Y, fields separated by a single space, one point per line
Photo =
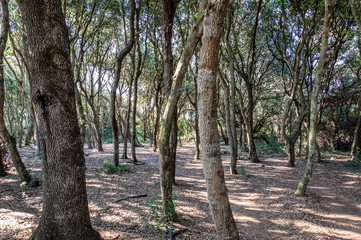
x=9 y=140
x=113 y=94
x=168 y=131
x=207 y=103
x=312 y=145
x=65 y=212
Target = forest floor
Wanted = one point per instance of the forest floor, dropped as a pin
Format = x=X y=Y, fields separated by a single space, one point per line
x=261 y=197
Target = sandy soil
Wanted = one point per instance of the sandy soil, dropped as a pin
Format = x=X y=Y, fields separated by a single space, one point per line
x=261 y=198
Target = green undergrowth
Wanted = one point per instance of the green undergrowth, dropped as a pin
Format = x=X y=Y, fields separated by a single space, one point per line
x=110 y=168
x=242 y=171
x=157 y=219
x=270 y=148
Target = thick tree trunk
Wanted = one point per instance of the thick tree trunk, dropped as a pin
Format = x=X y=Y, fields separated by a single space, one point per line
x=207 y=103
x=9 y=140
x=65 y=212
x=113 y=94
x=312 y=152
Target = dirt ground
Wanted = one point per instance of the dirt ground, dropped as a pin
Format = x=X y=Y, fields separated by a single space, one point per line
x=261 y=198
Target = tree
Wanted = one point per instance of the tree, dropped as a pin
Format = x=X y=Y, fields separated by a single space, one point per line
x=167 y=158
x=65 y=206
x=312 y=144
x=356 y=9
x=10 y=141
x=119 y=59
x=207 y=103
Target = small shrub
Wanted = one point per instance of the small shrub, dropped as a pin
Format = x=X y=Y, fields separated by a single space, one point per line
x=110 y=168
x=241 y=170
x=157 y=219
x=353 y=164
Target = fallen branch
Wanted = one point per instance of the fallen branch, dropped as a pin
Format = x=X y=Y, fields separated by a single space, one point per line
x=136 y=196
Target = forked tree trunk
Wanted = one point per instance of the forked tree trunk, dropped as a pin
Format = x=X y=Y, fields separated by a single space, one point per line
x=312 y=144
x=9 y=140
x=207 y=103
x=65 y=212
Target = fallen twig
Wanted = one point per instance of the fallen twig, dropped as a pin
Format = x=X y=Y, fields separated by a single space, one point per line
x=136 y=196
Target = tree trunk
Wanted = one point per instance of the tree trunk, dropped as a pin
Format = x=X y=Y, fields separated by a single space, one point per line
x=2 y=161
x=224 y=137
x=65 y=212
x=231 y=139
x=196 y=131
x=207 y=103
x=88 y=139
x=169 y=128
x=127 y=120
x=9 y=140
x=113 y=94
x=290 y=148
x=312 y=151
x=232 y=132
x=30 y=130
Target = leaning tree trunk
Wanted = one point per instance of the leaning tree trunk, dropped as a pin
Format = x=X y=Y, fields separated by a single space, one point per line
x=312 y=144
x=168 y=131
x=65 y=212
x=207 y=103
x=9 y=140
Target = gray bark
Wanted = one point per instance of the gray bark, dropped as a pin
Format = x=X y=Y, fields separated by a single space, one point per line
x=207 y=103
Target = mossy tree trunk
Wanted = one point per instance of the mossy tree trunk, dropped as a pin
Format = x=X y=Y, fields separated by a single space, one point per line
x=312 y=144
x=169 y=128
